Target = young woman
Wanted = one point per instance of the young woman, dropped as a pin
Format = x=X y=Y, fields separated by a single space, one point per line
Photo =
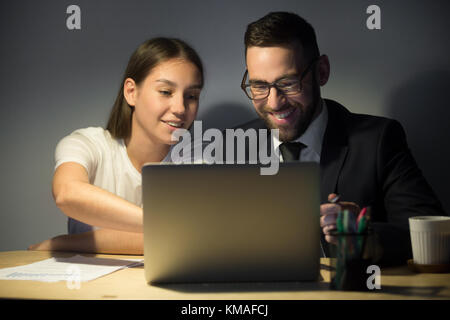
x=97 y=180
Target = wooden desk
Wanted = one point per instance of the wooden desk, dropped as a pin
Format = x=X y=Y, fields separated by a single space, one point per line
x=396 y=283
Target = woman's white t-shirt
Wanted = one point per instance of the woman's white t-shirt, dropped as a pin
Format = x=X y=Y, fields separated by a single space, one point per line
x=106 y=162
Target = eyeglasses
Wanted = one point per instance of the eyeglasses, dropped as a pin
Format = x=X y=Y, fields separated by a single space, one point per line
x=258 y=90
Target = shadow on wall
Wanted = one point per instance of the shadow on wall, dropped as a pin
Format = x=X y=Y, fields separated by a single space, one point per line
x=226 y=115
x=422 y=106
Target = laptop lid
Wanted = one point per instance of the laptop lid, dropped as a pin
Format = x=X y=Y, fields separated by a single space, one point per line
x=226 y=222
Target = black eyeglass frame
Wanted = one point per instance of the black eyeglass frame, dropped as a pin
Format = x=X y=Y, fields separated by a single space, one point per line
x=274 y=84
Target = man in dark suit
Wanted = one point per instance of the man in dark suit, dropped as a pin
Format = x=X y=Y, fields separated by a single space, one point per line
x=364 y=159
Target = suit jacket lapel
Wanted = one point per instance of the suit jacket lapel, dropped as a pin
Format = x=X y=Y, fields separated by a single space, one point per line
x=334 y=149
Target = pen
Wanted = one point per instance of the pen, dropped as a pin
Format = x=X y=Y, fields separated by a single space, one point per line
x=335 y=199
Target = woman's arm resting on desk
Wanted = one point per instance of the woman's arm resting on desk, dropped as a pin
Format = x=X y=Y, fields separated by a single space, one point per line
x=97 y=241
x=80 y=200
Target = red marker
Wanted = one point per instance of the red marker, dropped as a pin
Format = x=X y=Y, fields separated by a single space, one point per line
x=362 y=213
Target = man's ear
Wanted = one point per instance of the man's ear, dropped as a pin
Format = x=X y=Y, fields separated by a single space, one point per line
x=130 y=91
x=323 y=70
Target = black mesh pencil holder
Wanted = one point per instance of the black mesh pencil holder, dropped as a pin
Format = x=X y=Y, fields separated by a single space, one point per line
x=351 y=255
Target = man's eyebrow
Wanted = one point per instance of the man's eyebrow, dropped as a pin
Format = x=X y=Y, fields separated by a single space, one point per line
x=173 y=84
x=283 y=77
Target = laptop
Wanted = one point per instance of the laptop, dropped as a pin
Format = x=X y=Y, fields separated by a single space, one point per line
x=229 y=223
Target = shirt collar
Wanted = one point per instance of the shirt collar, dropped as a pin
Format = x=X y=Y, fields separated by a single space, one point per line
x=313 y=136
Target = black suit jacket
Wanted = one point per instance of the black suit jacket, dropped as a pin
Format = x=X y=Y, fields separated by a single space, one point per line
x=365 y=159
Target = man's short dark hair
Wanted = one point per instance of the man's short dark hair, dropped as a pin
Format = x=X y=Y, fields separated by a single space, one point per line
x=282 y=29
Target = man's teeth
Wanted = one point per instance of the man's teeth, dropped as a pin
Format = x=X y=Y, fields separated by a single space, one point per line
x=283 y=115
x=174 y=124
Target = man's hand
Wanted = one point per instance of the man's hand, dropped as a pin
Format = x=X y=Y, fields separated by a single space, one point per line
x=329 y=212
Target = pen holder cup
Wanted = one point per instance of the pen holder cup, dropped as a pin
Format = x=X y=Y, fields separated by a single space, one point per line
x=351 y=255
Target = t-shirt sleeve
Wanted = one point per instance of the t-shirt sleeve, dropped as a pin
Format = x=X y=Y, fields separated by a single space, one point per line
x=78 y=148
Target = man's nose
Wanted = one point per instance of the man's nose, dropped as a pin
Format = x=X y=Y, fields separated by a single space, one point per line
x=275 y=100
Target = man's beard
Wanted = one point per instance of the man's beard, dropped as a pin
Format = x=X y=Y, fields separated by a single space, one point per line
x=305 y=117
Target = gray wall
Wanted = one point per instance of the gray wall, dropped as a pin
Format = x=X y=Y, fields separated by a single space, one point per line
x=54 y=81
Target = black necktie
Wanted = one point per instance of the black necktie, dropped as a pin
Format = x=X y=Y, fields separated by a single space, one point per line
x=291 y=150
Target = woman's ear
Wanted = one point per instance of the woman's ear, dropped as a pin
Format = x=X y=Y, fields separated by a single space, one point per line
x=130 y=91
x=323 y=70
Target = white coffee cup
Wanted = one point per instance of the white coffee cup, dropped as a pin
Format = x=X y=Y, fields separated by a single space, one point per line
x=430 y=239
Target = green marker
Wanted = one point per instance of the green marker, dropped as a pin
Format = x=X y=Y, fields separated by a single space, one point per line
x=339 y=225
x=362 y=224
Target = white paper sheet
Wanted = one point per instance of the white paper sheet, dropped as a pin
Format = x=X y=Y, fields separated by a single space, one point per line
x=76 y=268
